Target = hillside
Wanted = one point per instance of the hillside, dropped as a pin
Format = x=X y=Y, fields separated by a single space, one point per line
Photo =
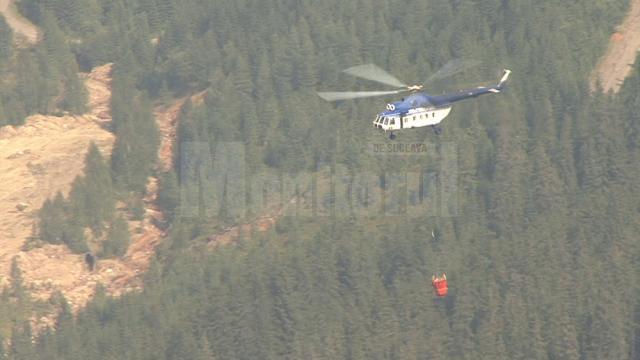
x=23 y=27
x=300 y=242
x=43 y=157
x=617 y=63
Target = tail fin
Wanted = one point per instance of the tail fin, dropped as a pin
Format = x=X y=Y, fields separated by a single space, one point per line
x=503 y=80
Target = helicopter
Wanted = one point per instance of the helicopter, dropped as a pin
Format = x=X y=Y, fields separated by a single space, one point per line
x=419 y=109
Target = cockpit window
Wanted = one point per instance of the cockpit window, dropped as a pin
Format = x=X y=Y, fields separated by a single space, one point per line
x=386 y=121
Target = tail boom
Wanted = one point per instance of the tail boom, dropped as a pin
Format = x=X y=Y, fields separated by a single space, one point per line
x=441 y=100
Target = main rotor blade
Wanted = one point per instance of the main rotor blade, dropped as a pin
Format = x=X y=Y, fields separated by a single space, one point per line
x=452 y=67
x=374 y=73
x=346 y=95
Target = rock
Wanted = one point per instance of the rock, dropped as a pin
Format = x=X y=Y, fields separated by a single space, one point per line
x=22 y=206
x=36 y=169
x=18 y=154
x=15 y=155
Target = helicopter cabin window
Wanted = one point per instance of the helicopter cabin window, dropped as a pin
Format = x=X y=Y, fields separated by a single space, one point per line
x=393 y=121
x=386 y=121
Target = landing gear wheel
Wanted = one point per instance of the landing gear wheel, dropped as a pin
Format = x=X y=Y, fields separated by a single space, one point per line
x=437 y=130
x=392 y=136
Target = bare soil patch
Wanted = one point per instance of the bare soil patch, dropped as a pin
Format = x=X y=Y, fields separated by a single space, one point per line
x=616 y=64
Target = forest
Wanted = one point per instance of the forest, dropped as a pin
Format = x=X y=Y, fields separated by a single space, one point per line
x=541 y=251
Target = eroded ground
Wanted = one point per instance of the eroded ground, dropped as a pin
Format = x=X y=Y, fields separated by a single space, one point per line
x=624 y=45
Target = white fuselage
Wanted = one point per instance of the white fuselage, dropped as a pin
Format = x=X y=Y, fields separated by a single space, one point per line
x=417 y=117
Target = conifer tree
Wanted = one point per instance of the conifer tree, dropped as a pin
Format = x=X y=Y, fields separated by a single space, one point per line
x=169 y=194
x=100 y=202
x=17 y=281
x=52 y=220
x=6 y=38
x=3 y=353
x=73 y=237
x=118 y=240
x=21 y=346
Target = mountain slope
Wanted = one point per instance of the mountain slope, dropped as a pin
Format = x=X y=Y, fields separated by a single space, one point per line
x=616 y=64
x=17 y=22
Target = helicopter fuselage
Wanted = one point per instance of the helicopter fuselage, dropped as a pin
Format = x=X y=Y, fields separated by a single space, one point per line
x=416 y=110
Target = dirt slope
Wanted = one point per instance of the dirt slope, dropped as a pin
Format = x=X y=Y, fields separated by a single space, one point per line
x=41 y=158
x=167 y=120
x=615 y=65
x=23 y=28
x=37 y=160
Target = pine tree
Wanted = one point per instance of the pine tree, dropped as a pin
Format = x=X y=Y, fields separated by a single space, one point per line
x=65 y=327
x=21 y=347
x=118 y=240
x=3 y=352
x=305 y=64
x=75 y=95
x=169 y=194
x=17 y=282
x=99 y=202
x=52 y=220
x=78 y=205
x=3 y=116
x=137 y=139
x=6 y=39
x=73 y=237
